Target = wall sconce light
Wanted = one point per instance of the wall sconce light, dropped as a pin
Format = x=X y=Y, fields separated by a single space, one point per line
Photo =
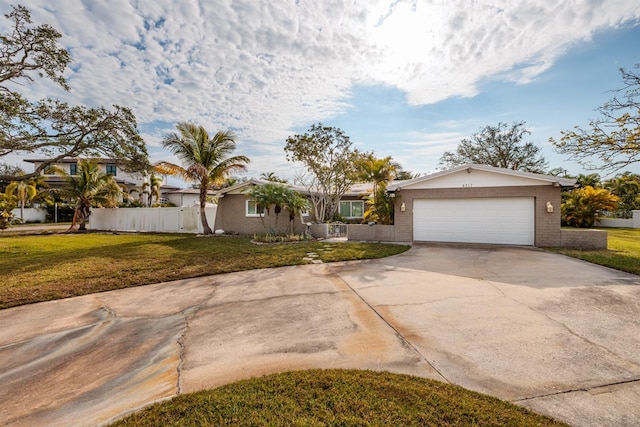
x=549 y=207
x=403 y=207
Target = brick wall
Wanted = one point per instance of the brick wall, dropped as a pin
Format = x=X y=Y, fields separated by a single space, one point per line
x=372 y=233
x=583 y=239
x=231 y=217
x=547 y=225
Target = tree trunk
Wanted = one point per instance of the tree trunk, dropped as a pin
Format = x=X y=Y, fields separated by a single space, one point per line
x=203 y=214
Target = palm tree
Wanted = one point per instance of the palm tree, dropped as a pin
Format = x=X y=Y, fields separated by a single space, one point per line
x=278 y=197
x=296 y=204
x=152 y=188
x=267 y=196
x=206 y=160
x=379 y=172
x=23 y=191
x=271 y=176
x=88 y=188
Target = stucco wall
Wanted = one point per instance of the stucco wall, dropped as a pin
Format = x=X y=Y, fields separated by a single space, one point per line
x=547 y=225
x=231 y=217
x=583 y=239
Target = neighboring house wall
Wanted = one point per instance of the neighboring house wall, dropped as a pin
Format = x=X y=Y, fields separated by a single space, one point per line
x=547 y=225
x=232 y=218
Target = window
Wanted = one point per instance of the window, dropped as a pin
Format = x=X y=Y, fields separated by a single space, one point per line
x=253 y=209
x=73 y=169
x=352 y=209
x=111 y=170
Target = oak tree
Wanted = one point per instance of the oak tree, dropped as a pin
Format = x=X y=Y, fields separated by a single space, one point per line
x=331 y=162
x=614 y=137
x=500 y=146
x=49 y=127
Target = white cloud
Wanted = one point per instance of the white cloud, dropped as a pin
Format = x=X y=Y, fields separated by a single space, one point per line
x=264 y=67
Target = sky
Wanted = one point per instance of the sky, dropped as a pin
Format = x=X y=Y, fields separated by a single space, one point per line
x=407 y=79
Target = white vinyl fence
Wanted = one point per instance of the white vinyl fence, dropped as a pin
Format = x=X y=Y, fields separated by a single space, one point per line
x=30 y=214
x=161 y=220
x=620 y=222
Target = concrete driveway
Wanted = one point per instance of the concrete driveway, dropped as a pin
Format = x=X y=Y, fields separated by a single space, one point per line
x=544 y=331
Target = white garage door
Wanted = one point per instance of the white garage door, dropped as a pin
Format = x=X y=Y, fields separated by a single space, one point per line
x=498 y=220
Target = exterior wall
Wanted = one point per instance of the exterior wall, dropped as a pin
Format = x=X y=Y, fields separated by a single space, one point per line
x=583 y=239
x=547 y=225
x=372 y=233
x=231 y=217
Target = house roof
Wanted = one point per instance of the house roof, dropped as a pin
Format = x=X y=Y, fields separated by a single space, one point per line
x=357 y=189
x=76 y=159
x=238 y=188
x=543 y=179
x=188 y=191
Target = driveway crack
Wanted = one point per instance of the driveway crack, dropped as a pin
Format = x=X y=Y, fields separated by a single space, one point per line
x=583 y=389
x=565 y=326
x=393 y=328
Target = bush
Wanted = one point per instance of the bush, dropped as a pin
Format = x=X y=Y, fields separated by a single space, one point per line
x=582 y=206
x=281 y=238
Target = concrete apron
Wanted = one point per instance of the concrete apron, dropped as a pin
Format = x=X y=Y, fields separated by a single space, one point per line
x=544 y=331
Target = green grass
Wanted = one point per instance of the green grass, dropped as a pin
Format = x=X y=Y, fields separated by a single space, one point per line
x=336 y=398
x=623 y=253
x=37 y=268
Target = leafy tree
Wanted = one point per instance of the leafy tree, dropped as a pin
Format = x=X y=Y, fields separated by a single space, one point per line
x=582 y=206
x=207 y=160
x=272 y=177
x=403 y=175
x=614 y=137
x=592 y=179
x=7 y=170
x=88 y=188
x=379 y=172
x=500 y=146
x=627 y=187
x=331 y=162
x=50 y=127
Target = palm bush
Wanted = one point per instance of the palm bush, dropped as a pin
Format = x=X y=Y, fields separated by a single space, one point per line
x=582 y=206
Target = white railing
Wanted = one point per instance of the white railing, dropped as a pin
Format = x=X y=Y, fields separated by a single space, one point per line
x=161 y=220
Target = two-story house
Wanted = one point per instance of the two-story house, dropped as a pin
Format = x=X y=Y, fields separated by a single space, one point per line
x=131 y=183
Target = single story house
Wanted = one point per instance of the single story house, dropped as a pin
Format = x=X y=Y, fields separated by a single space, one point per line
x=237 y=212
x=479 y=204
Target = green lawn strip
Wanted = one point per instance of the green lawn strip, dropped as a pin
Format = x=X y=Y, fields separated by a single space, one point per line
x=623 y=253
x=37 y=268
x=336 y=398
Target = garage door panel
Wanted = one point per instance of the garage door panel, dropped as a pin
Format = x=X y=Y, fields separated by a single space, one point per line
x=508 y=220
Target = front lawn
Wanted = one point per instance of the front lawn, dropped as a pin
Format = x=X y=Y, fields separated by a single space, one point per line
x=47 y=267
x=623 y=253
x=336 y=398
